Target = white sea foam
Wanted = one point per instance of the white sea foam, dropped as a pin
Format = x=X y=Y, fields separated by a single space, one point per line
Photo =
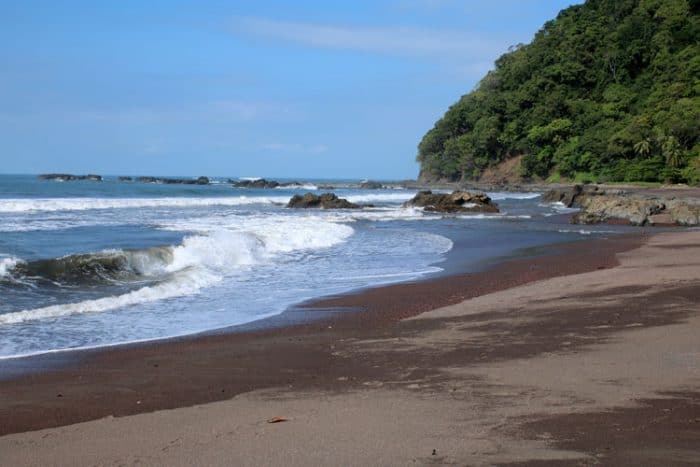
x=501 y=195
x=7 y=264
x=202 y=261
x=587 y=232
x=381 y=197
x=307 y=186
x=559 y=207
x=82 y=204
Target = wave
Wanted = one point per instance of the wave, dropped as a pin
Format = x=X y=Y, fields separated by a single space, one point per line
x=501 y=195
x=380 y=197
x=306 y=186
x=104 y=266
x=7 y=265
x=82 y=204
x=199 y=261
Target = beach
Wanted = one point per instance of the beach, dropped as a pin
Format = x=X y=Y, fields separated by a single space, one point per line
x=586 y=356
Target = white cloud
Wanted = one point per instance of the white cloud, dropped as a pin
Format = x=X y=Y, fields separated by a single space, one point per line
x=397 y=40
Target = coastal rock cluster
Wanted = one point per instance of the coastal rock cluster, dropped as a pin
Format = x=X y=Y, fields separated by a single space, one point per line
x=263 y=183
x=257 y=183
x=70 y=177
x=175 y=181
x=324 y=201
x=600 y=205
x=457 y=201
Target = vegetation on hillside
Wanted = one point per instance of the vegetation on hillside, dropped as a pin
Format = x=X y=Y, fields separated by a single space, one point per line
x=608 y=91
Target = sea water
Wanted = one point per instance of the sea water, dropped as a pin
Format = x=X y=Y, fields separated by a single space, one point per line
x=85 y=264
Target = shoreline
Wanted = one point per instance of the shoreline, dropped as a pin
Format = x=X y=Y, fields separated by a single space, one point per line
x=587 y=357
x=309 y=321
x=451 y=265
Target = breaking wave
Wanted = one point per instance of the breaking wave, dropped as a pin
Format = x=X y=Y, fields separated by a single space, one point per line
x=500 y=195
x=83 y=204
x=199 y=261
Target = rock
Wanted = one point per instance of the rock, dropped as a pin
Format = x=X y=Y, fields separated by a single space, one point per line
x=568 y=195
x=685 y=213
x=458 y=201
x=175 y=181
x=258 y=183
x=147 y=180
x=202 y=181
x=125 y=179
x=662 y=219
x=371 y=185
x=606 y=208
x=325 y=201
x=70 y=177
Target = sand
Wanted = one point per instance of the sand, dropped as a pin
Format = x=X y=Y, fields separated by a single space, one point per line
x=599 y=366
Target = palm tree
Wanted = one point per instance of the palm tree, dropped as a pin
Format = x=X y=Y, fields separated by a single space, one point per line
x=643 y=148
x=672 y=152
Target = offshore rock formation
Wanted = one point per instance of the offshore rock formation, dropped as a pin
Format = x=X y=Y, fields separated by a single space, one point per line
x=174 y=181
x=324 y=201
x=70 y=177
x=259 y=183
x=458 y=201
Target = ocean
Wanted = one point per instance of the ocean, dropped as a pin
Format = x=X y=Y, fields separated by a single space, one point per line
x=86 y=264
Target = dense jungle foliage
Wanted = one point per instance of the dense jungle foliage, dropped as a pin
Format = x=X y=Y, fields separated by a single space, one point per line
x=608 y=91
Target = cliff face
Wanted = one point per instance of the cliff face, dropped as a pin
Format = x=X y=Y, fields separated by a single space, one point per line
x=608 y=91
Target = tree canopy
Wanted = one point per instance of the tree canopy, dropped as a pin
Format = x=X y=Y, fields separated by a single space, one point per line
x=608 y=91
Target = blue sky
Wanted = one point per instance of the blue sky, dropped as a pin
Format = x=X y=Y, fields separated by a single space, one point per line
x=237 y=88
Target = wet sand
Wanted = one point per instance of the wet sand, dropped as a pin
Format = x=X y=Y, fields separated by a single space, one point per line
x=571 y=358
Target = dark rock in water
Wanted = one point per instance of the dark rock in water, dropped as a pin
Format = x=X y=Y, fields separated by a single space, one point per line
x=458 y=201
x=174 y=181
x=70 y=177
x=371 y=185
x=325 y=201
x=568 y=195
x=125 y=179
x=147 y=180
x=259 y=183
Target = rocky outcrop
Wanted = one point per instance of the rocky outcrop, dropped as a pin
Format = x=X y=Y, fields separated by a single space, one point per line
x=458 y=201
x=613 y=205
x=70 y=177
x=125 y=179
x=371 y=185
x=566 y=195
x=258 y=183
x=684 y=213
x=175 y=181
x=606 y=208
x=324 y=201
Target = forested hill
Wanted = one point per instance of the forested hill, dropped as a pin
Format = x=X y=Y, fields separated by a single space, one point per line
x=608 y=91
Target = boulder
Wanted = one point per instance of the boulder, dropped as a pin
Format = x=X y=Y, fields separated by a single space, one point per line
x=175 y=181
x=607 y=208
x=685 y=213
x=567 y=195
x=371 y=185
x=324 y=201
x=70 y=177
x=458 y=201
x=258 y=183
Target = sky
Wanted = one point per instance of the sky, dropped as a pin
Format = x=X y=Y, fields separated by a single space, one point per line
x=283 y=89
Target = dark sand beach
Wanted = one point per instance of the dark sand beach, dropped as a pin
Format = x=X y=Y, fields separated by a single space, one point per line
x=584 y=357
